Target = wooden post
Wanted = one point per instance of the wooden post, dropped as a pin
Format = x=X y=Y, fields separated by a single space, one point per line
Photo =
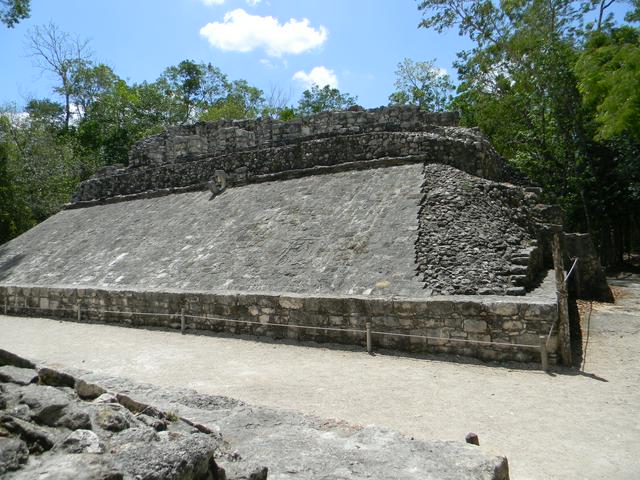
x=182 y=320
x=544 y=358
x=369 y=345
x=79 y=312
x=6 y=304
x=564 y=338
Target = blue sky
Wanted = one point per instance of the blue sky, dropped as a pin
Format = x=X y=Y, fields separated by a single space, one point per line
x=355 y=44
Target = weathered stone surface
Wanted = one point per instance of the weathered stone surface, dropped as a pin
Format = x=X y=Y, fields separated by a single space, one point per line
x=318 y=226
x=588 y=280
x=58 y=433
x=77 y=466
x=50 y=376
x=338 y=233
x=8 y=358
x=88 y=391
x=81 y=441
x=20 y=376
x=47 y=403
x=74 y=418
x=263 y=150
x=156 y=424
x=106 y=398
x=13 y=453
x=474 y=234
x=260 y=443
x=301 y=446
x=38 y=438
x=111 y=417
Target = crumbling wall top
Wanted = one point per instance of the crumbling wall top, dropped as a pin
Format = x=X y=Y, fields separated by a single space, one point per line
x=186 y=142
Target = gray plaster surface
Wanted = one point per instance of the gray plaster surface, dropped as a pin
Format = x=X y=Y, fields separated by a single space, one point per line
x=345 y=233
x=567 y=424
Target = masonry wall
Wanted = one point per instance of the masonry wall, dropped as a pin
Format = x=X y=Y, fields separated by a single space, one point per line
x=223 y=137
x=189 y=156
x=505 y=320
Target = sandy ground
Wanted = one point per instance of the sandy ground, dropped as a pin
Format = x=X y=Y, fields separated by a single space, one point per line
x=570 y=425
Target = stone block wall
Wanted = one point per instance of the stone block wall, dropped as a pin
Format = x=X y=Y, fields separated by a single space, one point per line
x=476 y=236
x=448 y=321
x=588 y=280
x=188 y=156
x=223 y=137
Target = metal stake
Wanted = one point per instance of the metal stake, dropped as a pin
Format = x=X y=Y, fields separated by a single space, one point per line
x=369 y=345
x=182 y=321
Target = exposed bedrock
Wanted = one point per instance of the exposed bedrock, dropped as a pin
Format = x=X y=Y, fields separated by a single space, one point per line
x=109 y=429
x=187 y=157
x=51 y=430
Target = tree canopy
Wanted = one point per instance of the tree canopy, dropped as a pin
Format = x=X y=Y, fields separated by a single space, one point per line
x=316 y=100
x=422 y=84
x=556 y=87
x=12 y=11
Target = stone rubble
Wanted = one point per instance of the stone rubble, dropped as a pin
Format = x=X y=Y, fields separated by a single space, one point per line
x=144 y=432
x=47 y=431
x=476 y=236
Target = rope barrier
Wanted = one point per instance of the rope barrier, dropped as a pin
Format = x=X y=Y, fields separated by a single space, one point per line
x=575 y=262
x=462 y=340
x=252 y=322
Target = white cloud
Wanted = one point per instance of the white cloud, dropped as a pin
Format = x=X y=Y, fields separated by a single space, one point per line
x=242 y=32
x=319 y=76
x=209 y=3
x=253 y=3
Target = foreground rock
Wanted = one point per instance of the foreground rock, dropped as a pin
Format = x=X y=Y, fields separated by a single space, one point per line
x=142 y=431
x=50 y=432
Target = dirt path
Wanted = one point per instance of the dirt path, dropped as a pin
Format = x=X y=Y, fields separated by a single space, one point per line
x=570 y=426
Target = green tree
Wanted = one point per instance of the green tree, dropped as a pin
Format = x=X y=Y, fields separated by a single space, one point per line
x=196 y=85
x=241 y=101
x=40 y=160
x=316 y=100
x=609 y=79
x=123 y=115
x=15 y=215
x=551 y=104
x=88 y=83
x=12 y=11
x=421 y=84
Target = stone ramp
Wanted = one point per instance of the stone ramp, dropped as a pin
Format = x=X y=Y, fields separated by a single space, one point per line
x=350 y=233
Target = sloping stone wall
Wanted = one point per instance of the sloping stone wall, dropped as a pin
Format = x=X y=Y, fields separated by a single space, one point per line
x=454 y=324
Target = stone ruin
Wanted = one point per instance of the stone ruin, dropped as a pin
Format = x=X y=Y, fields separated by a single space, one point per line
x=310 y=229
x=69 y=424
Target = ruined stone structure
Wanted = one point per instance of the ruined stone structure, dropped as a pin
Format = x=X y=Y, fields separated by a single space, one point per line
x=390 y=217
x=58 y=424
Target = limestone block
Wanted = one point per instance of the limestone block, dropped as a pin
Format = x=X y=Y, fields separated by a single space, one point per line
x=513 y=326
x=475 y=326
x=291 y=303
x=507 y=309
